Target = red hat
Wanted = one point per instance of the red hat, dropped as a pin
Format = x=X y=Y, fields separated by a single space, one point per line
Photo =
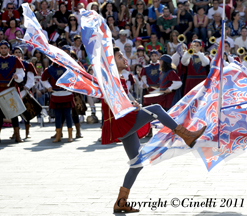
x=138 y=39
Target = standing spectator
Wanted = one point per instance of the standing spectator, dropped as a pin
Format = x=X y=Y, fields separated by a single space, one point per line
x=214 y=26
x=141 y=28
x=184 y=22
x=240 y=7
x=123 y=15
x=123 y=40
x=201 y=3
x=77 y=12
x=172 y=45
x=61 y=18
x=200 y=24
x=10 y=32
x=214 y=10
x=10 y=13
x=109 y=9
x=153 y=13
x=44 y=16
x=111 y=24
x=72 y=29
x=140 y=8
x=166 y=24
x=241 y=41
x=153 y=44
x=235 y=25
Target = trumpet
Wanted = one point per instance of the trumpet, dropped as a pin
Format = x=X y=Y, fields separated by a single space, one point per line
x=181 y=38
x=241 y=51
x=191 y=51
x=212 y=40
x=213 y=52
x=245 y=58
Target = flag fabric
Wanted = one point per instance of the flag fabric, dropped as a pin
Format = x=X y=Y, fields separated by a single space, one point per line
x=97 y=40
x=76 y=78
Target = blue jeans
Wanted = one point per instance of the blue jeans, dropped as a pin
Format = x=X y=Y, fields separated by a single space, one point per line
x=202 y=33
x=67 y=113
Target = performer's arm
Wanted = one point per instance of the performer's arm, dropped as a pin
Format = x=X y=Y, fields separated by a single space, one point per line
x=175 y=85
x=20 y=74
x=30 y=80
x=175 y=59
x=186 y=59
x=204 y=59
x=230 y=58
x=46 y=84
x=144 y=81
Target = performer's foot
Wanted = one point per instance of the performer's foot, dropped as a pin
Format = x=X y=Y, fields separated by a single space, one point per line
x=58 y=135
x=54 y=136
x=17 y=135
x=78 y=130
x=121 y=203
x=27 y=130
x=70 y=134
x=189 y=137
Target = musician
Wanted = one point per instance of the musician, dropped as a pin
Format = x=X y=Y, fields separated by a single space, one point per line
x=62 y=105
x=126 y=128
x=28 y=81
x=197 y=62
x=11 y=66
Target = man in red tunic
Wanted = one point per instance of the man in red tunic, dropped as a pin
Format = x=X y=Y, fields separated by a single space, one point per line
x=126 y=128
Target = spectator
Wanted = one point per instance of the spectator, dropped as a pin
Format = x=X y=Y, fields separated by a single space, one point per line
x=111 y=24
x=230 y=40
x=72 y=29
x=49 y=4
x=153 y=44
x=138 y=82
x=109 y=9
x=123 y=15
x=127 y=55
x=5 y=3
x=214 y=10
x=241 y=41
x=201 y=3
x=140 y=56
x=240 y=7
x=1 y=35
x=141 y=8
x=166 y=24
x=95 y=6
x=77 y=47
x=68 y=4
x=123 y=40
x=184 y=22
x=127 y=27
x=200 y=24
x=44 y=16
x=169 y=4
x=173 y=43
x=10 y=32
x=77 y=12
x=214 y=26
x=61 y=18
x=153 y=13
x=40 y=57
x=187 y=8
x=141 y=28
x=137 y=43
x=235 y=25
x=22 y=45
x=10 y=13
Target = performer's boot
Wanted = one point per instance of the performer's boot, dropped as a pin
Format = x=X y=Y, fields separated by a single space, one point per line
x=70 y=134
x=17 y=135
x=189 y=137
x=121 y=203
x=54 y=136
x=27 y=126
x=58 y=135
x=13 y=136
x=78 y=130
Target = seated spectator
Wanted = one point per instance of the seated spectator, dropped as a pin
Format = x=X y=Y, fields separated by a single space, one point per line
x=169 y=4
x=123 y=15
x=138 y=81
x=10 y=32
x=153 y=44
x=6 y=2
x=200 y=24
x=109 y=9
x=1 y=35
x=72 y=29
x=111 y=24
x=137 y=43
x=195 y=37
x=22 y=45
x=214 y=26
x=153 y=13
x=229 y=39
x=10 y=13
x=214 y=10
x=67 y=3
x=140 y=8
x=184 y=22
x=123 y=40
x=76 y=2
x=127 y=27
x=49 y=4
x=141 y=28
x=240 y=7
x=40 y=57
x=61 y=18
x=77 y=12
x=93 y=6
x=127 y=55
x=188 y=9
x=77 y=48
x=201 y=3
x=173 y=43
x=140 y=56
x=44 y=16
x=166 y=24
x=241 y=41
x=235 y=25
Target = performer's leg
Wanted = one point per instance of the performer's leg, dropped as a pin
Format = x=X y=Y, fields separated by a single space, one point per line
x=15 y=124
x=58 y=124
x=68 y=116
x=131 y=146
x=76 y=121
x=62 y=120
x=1 y=120
x=27 y=126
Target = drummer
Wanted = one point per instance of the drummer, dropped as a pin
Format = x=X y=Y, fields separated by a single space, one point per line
x=62 y=105
x=11 y=67
x=28 y=81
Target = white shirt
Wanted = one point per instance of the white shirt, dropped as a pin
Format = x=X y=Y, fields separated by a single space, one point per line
x=130 y=61
x=211 y=12
x=230 y=40
x=239 y=41
x=119 y=44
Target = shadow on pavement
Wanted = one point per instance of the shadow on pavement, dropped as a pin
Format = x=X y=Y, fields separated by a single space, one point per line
x=212 y=213
x=97 y=146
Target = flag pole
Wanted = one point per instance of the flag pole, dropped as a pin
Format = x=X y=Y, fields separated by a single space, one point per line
x=221 y=71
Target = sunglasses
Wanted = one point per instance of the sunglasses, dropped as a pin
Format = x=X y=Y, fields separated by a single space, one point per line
x=138 y=17
x=139 y=4
x=11 y=8
x=38 y=66
x=72 y=20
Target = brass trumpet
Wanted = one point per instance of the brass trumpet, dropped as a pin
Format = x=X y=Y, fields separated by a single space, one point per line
x=191 y=51
x=245 y=58
x=241 y=51
x=181 y=38
x=213 y=52
x=212 y=40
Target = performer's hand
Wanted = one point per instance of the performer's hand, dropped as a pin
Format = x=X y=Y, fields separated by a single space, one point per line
x=167 y=91
x=15 y=76
x=135 y=104
x=50 y=89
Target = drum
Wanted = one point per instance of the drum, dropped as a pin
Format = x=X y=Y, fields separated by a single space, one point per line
x=11 y=103
x=153 y=98
x=32 y=105
x=61 y=93
x=80 y=105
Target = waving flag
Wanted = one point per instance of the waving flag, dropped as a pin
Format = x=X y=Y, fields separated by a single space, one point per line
x=76 y=78
x=97 y=40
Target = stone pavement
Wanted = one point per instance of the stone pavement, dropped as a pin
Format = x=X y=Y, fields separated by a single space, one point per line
x=38 y=177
